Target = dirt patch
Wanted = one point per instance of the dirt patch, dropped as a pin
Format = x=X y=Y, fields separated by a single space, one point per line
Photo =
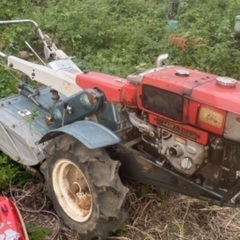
x=153 y=214
x=36 y=208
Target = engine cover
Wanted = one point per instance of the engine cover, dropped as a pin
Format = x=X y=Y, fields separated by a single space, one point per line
x=184 y=155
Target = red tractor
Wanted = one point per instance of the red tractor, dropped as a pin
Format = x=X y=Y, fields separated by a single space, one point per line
x=169 y=126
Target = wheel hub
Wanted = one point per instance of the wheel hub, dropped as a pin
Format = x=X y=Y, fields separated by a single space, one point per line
x=72 y=190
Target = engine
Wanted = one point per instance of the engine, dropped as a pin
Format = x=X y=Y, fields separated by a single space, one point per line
x=184 y=155
x=213 y=165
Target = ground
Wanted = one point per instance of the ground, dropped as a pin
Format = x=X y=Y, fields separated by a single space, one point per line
x=153 y=214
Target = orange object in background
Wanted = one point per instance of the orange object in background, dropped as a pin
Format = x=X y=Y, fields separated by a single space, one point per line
x=178 y=41
x=12 y=226
x=181 y=42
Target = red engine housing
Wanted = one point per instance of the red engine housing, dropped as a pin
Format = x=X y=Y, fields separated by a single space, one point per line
x=202 y=104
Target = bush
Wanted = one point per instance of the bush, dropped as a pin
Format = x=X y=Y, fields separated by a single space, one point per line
x=210 y=24
x=116 y=36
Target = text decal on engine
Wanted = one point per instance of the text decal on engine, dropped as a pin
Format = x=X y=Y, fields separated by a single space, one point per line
x=181 y=129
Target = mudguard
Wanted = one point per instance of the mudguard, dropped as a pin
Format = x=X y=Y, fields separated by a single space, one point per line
x=91 y=134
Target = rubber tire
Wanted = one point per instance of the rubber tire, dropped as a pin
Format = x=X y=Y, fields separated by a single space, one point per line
x=101 y=174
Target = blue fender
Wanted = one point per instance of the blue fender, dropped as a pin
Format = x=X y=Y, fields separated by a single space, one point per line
x=91 y=134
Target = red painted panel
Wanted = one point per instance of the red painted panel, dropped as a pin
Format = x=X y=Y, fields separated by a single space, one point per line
x=110 y=85
x=183 y=130
x=129 y=95
x=226 y=98
x=116 y=89
x=193 y=108
x=185 y=110
x=11 y=223
x=170 y=80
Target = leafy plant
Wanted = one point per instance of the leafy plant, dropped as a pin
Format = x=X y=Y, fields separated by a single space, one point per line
x=7 y=83
x=116 y=36
x=11 y=171
x=7 y=170
x=36 y=232
x=211 y=41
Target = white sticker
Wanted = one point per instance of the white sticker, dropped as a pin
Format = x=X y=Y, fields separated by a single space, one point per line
x=10 y=234
x=24 y=113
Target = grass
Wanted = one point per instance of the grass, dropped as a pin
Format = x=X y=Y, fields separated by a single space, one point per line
x=156 y=215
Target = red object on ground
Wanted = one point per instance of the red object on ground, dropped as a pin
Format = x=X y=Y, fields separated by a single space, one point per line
x=12 y=226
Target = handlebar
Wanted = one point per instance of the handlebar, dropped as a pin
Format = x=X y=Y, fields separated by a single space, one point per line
x=39 y=31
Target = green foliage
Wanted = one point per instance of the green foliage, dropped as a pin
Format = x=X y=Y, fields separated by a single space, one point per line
x=12 y=172
x=109 y=36
x=7 y=171
x=212 y=44
x=7 y=83
x=36 y=232
x=115 y=36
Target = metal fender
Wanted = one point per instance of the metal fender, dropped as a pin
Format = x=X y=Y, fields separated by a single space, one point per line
x=91 y=134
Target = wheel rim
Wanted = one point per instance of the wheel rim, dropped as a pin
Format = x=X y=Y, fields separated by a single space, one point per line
x=72 y=190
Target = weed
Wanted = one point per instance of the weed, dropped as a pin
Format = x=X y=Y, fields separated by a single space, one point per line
x=8 y=169
x=11 y=172
x=36 y=232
